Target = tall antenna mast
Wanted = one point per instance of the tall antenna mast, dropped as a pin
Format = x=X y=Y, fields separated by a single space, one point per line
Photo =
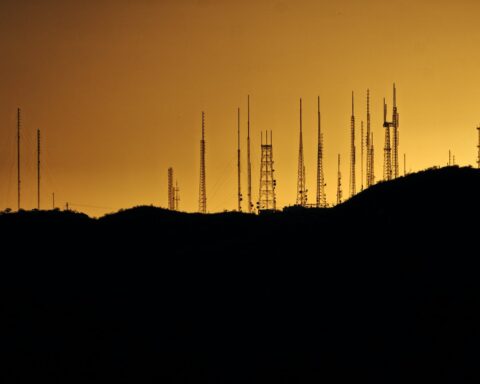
x=249 y=165
x=301 y=192
x=368 y=144
x=372 y=161
x=321 y=198
x=387 y=159
x=177 y=195
x=238 y=166
x=352 y=151
x=361 y=155
x=38 y=169
x=395 y=134
x=339 y=182
x=171 y=190
x=202 y=200
x=18 y=156
x=478 y=146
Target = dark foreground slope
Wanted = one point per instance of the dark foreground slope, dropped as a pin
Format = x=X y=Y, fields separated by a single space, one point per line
x=384 y=288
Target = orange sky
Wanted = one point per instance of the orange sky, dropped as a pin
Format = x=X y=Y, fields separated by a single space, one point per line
x=117 y=89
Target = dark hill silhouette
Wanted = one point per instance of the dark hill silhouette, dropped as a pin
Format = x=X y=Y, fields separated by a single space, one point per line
x=305 y=295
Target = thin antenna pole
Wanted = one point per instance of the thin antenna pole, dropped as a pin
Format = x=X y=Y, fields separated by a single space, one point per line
x=249 y=165
x=404 y=164
x=53 y=200
x=18 y=156
x=38 y=169
x=238 y=166
x=352 y=152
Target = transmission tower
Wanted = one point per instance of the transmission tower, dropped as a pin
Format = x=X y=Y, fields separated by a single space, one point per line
x=321 y=197
x=18 y=156
x=239 y=194
x=339 y=182
x=352 y=152
x=249 y=165
x=301 y=192
x=478 y=146
x=38 y=169
x=395 y=124
x=387 y=156
x=202 y=199
x=267 y=200
x=171 y=190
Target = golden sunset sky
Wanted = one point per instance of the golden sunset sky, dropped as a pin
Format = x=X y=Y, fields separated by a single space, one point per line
x=117 y=89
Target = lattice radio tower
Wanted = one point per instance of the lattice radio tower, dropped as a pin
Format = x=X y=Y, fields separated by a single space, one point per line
x=387 y=150
x=171 y=190
x=301 y=191
x=239 y=192
x=339 y=182
x=202 y=199
x=249 y=164
x=352 y=152
x=369 y=145
x=396 y=138
x=267 y=200
x=321 y=196
x=478 y=146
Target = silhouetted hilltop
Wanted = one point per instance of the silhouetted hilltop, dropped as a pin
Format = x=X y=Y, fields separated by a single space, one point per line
x=383 y=288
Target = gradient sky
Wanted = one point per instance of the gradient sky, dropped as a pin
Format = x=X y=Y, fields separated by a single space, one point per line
x=117 y=88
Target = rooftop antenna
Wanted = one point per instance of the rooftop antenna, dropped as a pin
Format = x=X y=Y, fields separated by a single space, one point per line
x=38 y=169
x=238 y=166
x=249 y=165
x=301 y=192
x=202 y=200
x=18 y=156
x=352 y=151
